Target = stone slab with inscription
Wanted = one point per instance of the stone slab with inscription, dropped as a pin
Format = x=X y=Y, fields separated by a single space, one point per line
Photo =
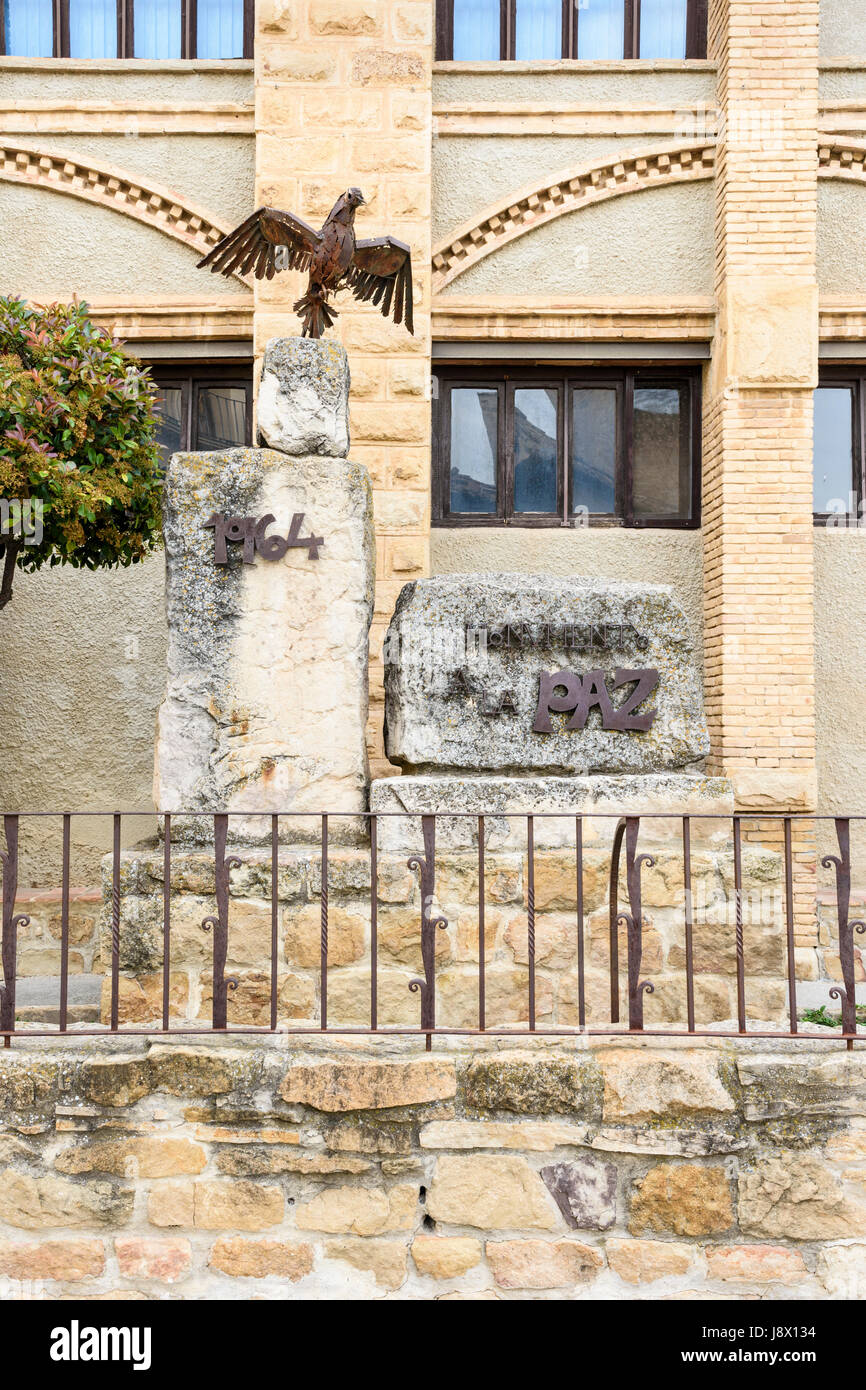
x=270 y=566
x=515 y=673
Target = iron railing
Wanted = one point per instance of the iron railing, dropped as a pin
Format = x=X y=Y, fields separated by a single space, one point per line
x=517 y=834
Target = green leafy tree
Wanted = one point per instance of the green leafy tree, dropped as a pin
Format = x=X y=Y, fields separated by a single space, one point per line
x=77 y=444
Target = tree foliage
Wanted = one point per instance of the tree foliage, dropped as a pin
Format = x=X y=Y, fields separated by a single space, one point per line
x=78 y=436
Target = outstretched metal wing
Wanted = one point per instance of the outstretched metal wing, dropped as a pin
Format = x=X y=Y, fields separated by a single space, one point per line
x=253 y=245
x=381 y=270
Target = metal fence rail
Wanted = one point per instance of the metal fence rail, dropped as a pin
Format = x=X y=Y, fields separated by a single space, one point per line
x=627 y=978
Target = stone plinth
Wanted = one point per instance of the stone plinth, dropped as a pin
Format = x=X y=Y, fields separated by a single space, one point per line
x=266 y=701
x=303 y=401
x=661 y=799
x=514 y=673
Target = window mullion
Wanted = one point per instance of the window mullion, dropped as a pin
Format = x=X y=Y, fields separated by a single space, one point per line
x=626 y=461
x=505 y=462
x=631 y=39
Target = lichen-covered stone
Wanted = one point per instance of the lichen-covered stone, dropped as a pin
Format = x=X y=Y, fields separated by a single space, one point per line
x=266 y=702
x=533 y=1085
x=435 y=719
x=302 y=405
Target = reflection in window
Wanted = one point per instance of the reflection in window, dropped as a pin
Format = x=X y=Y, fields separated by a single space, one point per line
x=538 y=29
x=833 y=463
x=221 y=418
x=661 y=436
x=601 y=29
x=474 y=435
x=169 y=433
x=663 y=26
x=535 y=450
x=476 y=30
x=220 y=29
x=29 y=28
x=157 y=29
x=593 y=449
x=92 y=28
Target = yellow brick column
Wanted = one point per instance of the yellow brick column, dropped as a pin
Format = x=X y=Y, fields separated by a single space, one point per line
x=757 y=505
x=344 y=97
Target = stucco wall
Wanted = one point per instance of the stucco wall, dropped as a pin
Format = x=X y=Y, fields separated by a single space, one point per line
x=841 y=237
x=50 y=80
x=840 y=670
x=82 y=670
x=653 y=556
x=842 y=32
x=651 y=83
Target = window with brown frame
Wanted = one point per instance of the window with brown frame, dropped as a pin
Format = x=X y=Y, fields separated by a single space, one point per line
x=566 y=447
x=839 y=445
x=155 y=29
x=538 y=30
x=203 y=407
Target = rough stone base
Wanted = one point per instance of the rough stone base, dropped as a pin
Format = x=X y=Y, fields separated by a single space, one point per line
x=663 y=797
x=170 y=1171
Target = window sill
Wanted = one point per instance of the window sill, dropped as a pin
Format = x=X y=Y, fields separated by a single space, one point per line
x=461 y=523
x=578 y=65
x=127 y=64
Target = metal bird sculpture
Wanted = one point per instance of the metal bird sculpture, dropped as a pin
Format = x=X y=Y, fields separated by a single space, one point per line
x=379 y=269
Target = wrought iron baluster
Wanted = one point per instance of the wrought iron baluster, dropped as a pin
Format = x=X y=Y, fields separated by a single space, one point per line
x=633 y=922
x=64 y=925
x=11 y=923
x=689 y=922
x=738 y=903
x=613 y=919
x=426 y=867
x=847 y=992
x=220 y=923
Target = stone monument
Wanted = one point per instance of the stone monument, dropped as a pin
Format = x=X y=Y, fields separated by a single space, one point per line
x=534 y=694
x=270 y=570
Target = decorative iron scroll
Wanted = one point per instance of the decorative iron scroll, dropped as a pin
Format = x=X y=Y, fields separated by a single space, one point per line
x=11 y=923
x=847 y=996
x=427 y=869
x=631 y=920
x=220 y=924
x=249 y=531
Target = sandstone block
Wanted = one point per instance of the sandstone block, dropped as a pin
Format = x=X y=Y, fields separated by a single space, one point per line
x=643 y=1084
x=237 y=1206
x=359 y=1211
x=146 y=1157
x=52 y=1259
x=542 y=1264
x=496 y=1193
x=147 y=1257
x=386 y=1260
x=445 y=1257
x=532 y=1085
x=338 y=1086
x=257 y=1259
x=759 y=1264
x=795 y=1196
x=643 y=1261
x=686 y=1200
x=38 y=1203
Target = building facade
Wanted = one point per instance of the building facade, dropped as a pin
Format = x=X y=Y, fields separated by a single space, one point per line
x=638 y=231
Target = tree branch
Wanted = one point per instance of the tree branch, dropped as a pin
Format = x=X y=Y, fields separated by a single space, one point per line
x=13 y=550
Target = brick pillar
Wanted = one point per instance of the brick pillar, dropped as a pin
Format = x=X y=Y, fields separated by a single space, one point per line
x=757 y=507
x=344 y=97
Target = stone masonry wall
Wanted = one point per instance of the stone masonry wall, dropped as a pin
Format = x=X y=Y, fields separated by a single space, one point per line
x=163 y=1170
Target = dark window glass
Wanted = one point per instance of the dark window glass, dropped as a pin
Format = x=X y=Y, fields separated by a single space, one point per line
x=170 y=413
x=662 y=451
x=540 y=447
x=474 y=449
x=202 y=409
x=29 y=28
x=93 y=28
x=476 y=30
x=221 y=417
x=663 y=28
x=594 y=449
x=538 y=30
x=157 y=29
x=833 y=465
x=601 y=29
x=535 y=449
